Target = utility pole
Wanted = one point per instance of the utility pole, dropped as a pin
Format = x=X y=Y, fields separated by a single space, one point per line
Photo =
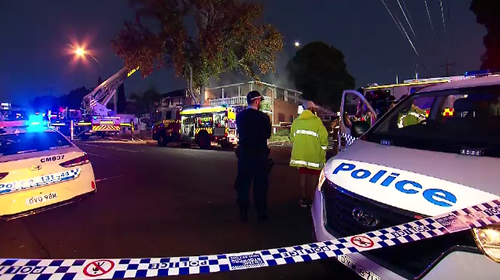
x=448 y=66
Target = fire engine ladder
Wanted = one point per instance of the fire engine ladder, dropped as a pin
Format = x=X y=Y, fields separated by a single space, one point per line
x=95 y=102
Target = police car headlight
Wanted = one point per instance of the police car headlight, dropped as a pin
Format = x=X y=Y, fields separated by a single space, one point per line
x=322 y=179
x=488 y=241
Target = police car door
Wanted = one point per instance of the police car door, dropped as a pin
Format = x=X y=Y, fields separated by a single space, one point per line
x=353 y=107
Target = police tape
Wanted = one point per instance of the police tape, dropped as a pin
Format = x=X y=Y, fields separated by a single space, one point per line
x=468 y=218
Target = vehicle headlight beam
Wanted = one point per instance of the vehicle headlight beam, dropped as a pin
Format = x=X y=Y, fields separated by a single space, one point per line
x=488 y=241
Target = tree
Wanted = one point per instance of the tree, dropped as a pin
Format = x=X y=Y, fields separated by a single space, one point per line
x=229 y=37
x=319 y=71
x=121 y=104
x=46 y=102
x=145 y=103
x=487 y=14
x=74 y=98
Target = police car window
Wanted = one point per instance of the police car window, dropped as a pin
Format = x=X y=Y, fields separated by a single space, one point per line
x=355 y=109
x=22 y=143
x=444 y=121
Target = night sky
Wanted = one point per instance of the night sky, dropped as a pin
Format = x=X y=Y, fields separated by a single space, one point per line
x=34 y=38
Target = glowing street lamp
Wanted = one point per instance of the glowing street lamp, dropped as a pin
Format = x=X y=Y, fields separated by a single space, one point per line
x=81 y=52
x=297 y=44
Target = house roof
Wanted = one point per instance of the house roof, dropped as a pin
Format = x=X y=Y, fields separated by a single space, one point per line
x=174 y=93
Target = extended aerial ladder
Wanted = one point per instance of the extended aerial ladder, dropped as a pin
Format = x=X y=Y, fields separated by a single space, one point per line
x=95 y=102
x=96 y=116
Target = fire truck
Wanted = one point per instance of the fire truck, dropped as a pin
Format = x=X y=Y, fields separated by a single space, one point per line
x=198 y=125
x=94 y=118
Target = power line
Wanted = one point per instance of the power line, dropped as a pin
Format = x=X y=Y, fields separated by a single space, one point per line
x=408 y=37
x=429 y=15
x=407 y=20
x=442 y=14
x=408 y=12
x=401 y=27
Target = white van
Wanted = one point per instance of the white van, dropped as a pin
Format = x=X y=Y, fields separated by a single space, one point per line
x=398 y=170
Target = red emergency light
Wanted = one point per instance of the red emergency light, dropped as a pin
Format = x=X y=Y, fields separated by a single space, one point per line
x=4 y=124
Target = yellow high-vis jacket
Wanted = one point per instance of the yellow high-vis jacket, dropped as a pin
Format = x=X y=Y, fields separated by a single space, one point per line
x=310 y=141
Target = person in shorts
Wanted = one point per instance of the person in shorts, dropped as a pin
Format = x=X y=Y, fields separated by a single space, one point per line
x=310 y=142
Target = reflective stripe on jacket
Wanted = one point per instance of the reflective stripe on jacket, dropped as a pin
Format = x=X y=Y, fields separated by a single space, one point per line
x=310 y=141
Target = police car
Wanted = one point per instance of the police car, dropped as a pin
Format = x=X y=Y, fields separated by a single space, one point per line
x=394 y=174
x=40 y=169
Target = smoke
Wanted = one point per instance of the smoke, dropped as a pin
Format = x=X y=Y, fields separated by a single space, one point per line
x=281 y=77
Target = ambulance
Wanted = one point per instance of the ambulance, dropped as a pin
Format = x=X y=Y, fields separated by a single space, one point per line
x=392 y=174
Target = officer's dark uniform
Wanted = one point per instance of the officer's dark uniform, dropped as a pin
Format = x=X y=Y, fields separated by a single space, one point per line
x=254 y=129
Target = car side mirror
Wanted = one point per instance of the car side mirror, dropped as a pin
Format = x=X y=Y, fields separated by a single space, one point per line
x=359 y=128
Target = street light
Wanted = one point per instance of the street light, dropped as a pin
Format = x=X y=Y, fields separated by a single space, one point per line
x=81 y=52
x=297 y=44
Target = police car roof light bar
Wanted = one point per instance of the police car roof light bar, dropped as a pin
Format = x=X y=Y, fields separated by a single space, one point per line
x=480 y=73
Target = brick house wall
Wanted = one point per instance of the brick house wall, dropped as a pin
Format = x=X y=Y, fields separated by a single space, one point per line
x=284 y=111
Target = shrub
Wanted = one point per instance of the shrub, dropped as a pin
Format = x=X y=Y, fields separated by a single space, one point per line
x=279 y=138
x=283 y=132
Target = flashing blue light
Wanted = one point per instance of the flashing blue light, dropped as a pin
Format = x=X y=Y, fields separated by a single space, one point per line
x=36 y=123
x=477 y=73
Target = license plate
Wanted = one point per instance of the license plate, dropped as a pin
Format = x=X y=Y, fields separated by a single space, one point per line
x=361 y=271
x=41 y=198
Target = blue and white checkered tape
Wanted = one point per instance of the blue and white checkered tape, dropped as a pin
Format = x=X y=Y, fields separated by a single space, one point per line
x=468 y=218
x=349 y=140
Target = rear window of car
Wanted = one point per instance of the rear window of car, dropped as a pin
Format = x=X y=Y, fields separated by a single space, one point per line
x=22 y=143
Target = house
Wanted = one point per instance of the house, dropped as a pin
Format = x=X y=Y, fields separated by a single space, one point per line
x=176 y=98
x=282 y=104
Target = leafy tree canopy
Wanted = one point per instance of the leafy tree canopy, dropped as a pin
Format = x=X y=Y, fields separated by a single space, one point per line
x=488 y=14
x=145 y=103
x=319 y=71
x=229 y=36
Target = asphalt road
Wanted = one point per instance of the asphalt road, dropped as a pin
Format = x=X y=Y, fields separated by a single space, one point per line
x=160 y=202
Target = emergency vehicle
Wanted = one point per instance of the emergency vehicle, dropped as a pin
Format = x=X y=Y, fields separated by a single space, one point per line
x=95 y=118
x=40 y=169
x=395 y=174
x=364 y=104
x=200 y=125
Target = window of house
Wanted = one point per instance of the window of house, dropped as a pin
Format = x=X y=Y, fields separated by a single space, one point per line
x=280 y=94
x=281 y=117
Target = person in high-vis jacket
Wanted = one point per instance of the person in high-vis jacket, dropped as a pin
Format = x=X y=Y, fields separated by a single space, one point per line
x=413 y=116
x=310 y=142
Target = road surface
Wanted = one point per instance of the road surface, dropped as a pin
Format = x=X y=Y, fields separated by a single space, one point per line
x=160 y=202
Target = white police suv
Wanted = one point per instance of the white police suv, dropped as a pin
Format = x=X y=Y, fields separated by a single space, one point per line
x=400 y=170
x=40 y=169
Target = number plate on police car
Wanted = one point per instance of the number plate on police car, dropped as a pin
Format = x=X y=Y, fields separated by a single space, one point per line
x=361 y=271
x=41 y=198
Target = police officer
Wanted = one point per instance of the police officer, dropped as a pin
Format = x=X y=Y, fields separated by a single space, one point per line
x=254 y=129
